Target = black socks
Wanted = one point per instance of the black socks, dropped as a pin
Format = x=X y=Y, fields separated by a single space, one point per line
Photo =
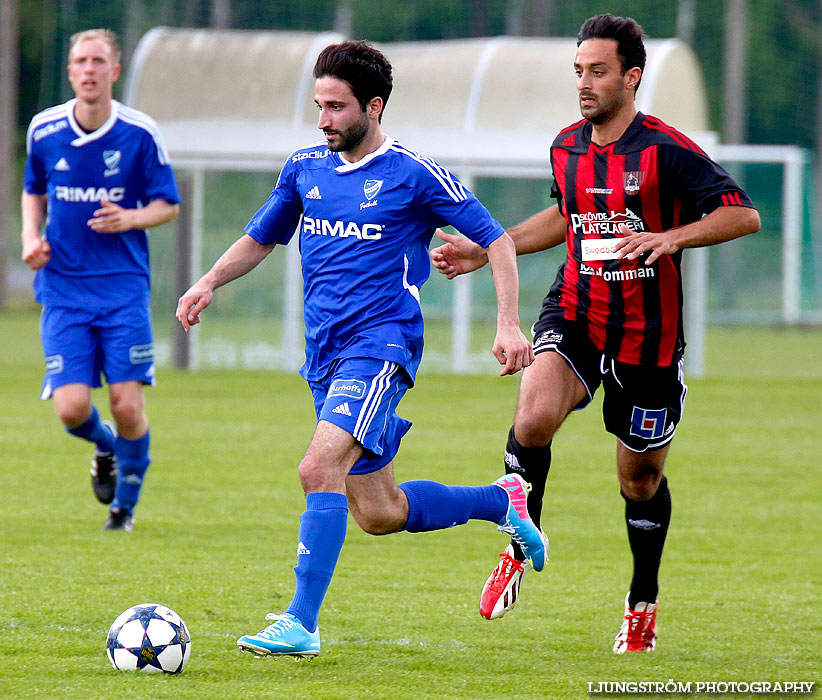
x=647 y=523
x=532 y=464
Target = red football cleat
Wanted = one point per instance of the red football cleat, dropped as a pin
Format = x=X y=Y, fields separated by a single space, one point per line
x=638 y=631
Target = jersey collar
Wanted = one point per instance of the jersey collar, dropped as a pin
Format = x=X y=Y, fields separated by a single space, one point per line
x=347 y=167
x=631 y=140
x=84 y=138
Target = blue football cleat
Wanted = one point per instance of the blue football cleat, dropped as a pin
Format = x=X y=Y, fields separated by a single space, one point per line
x=518 y=524
x=285 y=637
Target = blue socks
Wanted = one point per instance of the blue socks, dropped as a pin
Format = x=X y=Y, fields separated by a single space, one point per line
x=432 y=506
x=94 y=431
x=322 y=533
x=132 y=464
x=435 y=506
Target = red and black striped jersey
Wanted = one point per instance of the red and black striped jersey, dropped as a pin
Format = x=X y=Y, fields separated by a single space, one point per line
x=652 y=179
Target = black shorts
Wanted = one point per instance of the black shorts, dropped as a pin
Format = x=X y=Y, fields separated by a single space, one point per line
x=642 y=405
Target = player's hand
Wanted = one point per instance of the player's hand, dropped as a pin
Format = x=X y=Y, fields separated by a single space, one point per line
x=192 y=303
x=112 y=218
x=635 y=244
x=512 y=349
x=36 y=252
x=458 y=256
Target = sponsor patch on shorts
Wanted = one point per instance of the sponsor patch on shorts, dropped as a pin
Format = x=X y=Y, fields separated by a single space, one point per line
x=139 y=354
x=54 y=364
x=354 y=388
x=648 y=423
x=547 y=338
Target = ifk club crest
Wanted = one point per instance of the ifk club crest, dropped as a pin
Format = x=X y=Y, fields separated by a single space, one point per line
x=112 y=161
x=371 y=188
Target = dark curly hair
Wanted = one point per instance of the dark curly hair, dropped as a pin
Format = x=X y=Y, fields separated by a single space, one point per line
x=625 y=31
x=359 y=64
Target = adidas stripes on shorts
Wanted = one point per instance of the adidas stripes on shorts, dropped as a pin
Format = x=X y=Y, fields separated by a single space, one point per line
x=360 y=395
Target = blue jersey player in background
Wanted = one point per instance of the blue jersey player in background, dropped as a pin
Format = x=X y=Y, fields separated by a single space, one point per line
x=364 y=208
x=98 y=174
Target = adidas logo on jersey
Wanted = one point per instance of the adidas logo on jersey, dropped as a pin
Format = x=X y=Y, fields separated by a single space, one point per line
x=314 y=193
x=342 y=409
x=62 y=164
x=302 y=549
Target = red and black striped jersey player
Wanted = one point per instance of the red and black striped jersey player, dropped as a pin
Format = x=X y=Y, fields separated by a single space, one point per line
x=632 y=193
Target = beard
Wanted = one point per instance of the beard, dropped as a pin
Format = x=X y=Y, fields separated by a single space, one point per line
x=350 y=137
x=606 y=107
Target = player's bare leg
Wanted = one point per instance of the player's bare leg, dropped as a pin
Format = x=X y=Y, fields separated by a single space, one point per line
x=72 y=403
x=128 y=408
x=377 y=504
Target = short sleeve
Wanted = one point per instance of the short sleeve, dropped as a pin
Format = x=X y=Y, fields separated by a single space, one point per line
x=700 y=182
x=277 y=219
x=160 y=182
x=451 y=202
x=34 y=175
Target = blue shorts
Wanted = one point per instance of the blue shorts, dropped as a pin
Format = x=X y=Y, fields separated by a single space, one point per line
x=360 y=395
x=80 y=345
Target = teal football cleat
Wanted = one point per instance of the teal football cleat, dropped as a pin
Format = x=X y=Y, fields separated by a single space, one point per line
x=518 y=524
x=285 y=637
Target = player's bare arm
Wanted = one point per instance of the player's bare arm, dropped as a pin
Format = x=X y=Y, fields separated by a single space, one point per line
x=511 y=348
x=460 y=256
x=36 y=250
x=112 y=218
x=722 y=224
x=543 y=230
x=242 y=257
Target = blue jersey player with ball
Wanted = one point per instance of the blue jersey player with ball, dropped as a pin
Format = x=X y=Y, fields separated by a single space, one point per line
x=97 y=175
x=364 y=208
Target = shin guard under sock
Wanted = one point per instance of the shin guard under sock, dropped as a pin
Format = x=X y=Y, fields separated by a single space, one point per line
x=435 y=506
x=322 y=533
x=132 y=464
x=533 y=465
x=647 y=523
x=94 y=430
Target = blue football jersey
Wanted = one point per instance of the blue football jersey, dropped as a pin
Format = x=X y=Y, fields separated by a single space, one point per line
x=124 y=162
x=364 y=230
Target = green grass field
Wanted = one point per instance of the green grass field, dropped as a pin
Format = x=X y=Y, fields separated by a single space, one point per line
x=216 y=536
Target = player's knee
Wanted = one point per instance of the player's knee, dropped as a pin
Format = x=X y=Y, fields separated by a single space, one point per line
x=310 y=471
x=318 y=473
x=533 y=429
x=128 y=413
x=641 y=486
x=72 y=413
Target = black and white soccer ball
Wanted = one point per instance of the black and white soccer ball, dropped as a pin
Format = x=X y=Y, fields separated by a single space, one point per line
x=149 y=637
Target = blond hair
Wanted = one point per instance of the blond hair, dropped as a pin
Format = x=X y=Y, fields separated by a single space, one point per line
x=105 y=34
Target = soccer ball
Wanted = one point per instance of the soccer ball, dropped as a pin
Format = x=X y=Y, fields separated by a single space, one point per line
x=149 y=637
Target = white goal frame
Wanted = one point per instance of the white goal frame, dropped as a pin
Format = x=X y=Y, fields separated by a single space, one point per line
x=792 y=158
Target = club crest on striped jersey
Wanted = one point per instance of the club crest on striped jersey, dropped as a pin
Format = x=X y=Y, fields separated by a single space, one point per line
x=632 y=180
x=371 y=188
